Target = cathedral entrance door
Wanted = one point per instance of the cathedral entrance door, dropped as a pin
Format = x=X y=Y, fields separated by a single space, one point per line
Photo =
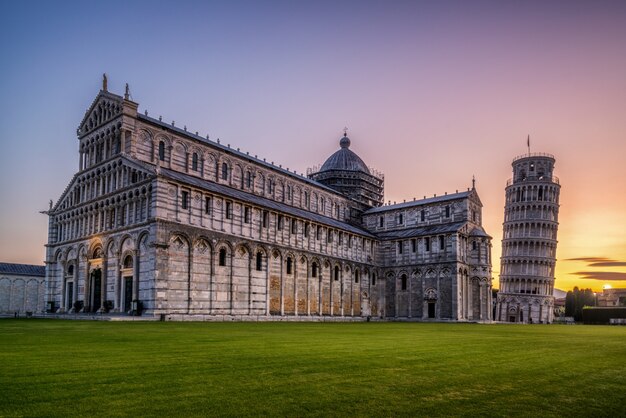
x=128 y=293
x=70 y=296
x=431 y=309
x=96 y=287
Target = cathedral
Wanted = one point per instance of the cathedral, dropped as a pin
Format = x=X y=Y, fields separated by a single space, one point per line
x=165 y=223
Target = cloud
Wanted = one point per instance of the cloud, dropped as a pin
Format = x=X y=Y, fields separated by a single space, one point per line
x=600 y=275
x=599 y=261
x=608 y=264
x=590 y=259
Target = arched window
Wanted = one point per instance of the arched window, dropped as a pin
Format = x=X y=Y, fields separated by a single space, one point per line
x=70 y=270
x=128 y=262
x=161 y=150
x=336 y=273
x=314 y=270
x=194 y=162
x=222 y=258
x=259 y=261
x=403 y=281
x=289 y=265
x=97 y=253
x=474 y=245
x=374 y=280
x=248 y=179
x=224 y=171
x=356 y=276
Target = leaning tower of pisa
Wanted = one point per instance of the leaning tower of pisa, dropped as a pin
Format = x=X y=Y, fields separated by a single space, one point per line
x=529 y=241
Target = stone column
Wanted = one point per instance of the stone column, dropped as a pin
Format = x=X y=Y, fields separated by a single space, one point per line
x=341 y=291
x=308 y=287
x=135 y=254
x=103 y=283
x=483 y=300
x=320 y=291
x=63 y=288
x=282 y=287
x=117 y=302
x=230 y=280
x=87 y=284
x=190 y=277
x=267 y=285
x=295 y=286
x=424 y=301
x=330 y=287
x=410 y=288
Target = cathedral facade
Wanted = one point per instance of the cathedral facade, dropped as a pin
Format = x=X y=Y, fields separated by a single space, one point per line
x=166 y=223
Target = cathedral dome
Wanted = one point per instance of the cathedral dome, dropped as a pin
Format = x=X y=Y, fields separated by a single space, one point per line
x=344 y=159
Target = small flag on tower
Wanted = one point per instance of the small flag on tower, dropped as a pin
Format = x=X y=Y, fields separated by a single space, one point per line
x=528 y=144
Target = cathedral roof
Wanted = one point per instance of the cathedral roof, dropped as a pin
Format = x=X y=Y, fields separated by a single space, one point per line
x=479 y=232
x=23 y=269
x=421 y=230
x=344 y=159
x=406 y=205
x=261 y=201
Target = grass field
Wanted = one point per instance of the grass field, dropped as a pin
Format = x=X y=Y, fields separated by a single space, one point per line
x=76 y=368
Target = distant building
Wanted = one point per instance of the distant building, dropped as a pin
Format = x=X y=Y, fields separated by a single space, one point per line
x=192 y=228
x=611 y=297
x=529 y=241
x=22 y=288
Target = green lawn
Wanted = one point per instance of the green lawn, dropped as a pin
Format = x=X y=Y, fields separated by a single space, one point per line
x=76 y=368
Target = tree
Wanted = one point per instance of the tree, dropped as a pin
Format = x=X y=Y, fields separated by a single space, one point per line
x=576 y=300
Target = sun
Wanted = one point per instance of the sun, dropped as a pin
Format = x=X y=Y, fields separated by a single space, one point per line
x=607 y=286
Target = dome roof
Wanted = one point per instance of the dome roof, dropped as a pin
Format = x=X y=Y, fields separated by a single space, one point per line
x=344 y=159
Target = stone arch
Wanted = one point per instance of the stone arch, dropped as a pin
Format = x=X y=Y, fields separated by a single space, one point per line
x=210 y=166
x=241 y=276
x=18 y=290
x=59 y=255
x=275 y=267
x=302 y=284
x=289 y=268
x=179 y=155
x=225 y=170
x=95 y=249
x=178 y=280
x=237 y=176
x=167 y=147
x=5 y=294
x=260 y=258
x=259 y=183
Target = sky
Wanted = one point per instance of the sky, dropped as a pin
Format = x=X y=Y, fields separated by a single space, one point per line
x=432 y=93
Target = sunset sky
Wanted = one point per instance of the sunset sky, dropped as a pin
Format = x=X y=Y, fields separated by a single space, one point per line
x=432 y=93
